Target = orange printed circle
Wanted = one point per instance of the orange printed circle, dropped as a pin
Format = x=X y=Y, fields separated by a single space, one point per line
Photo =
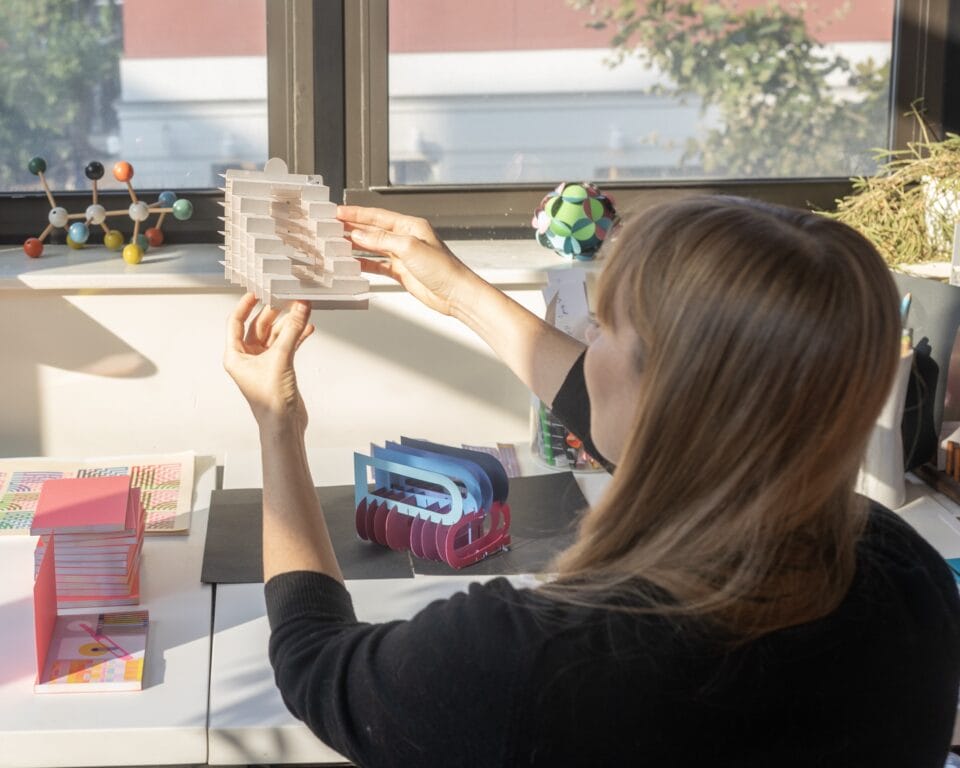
x=93 y=649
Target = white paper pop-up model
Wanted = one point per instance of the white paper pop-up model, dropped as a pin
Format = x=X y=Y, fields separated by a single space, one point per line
x=282 y=240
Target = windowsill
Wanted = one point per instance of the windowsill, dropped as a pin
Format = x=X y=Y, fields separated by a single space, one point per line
x=506 y=263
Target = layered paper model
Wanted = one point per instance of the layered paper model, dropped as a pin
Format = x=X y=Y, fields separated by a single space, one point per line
x=282 y=240
x=441 y=503
x=79 y=653
x=97 y=524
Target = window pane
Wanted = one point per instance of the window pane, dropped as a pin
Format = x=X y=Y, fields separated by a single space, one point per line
x=542 y=90
x=176 y=88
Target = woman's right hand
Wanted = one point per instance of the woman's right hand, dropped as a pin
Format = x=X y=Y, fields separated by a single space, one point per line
x=417 y=258
x=539 y=354
x=259 y=357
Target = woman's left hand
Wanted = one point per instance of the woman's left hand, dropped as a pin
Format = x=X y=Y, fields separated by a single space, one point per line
x=259 y=358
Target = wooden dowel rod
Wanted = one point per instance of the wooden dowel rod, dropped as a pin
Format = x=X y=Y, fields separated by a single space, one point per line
x=46 y=188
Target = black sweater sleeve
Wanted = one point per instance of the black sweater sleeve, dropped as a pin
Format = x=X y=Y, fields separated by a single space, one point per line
x=399 y=693
x=572 y=407
x=504 y=677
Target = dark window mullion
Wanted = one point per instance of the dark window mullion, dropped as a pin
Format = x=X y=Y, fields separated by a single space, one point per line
x=918 y=67
x=23 y=216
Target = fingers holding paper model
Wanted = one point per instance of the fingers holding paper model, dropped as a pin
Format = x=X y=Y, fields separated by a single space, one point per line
x=389 y=221
x=537 y=353
x=418 y=259
x=259 y=357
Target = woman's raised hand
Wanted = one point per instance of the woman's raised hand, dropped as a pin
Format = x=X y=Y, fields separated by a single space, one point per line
x=539 y=354
x=416 y=257
x=259 y=358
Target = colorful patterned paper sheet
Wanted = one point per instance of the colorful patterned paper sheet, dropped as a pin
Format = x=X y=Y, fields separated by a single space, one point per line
x=505 y=453
x=102 y=651
x=165 y=483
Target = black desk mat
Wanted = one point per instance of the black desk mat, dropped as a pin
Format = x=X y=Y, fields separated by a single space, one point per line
x=544 y=510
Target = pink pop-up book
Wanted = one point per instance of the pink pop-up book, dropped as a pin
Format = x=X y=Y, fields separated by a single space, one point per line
x=95 y=524
x=98 y=550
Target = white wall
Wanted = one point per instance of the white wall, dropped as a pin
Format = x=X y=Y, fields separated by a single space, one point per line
x=116 y=372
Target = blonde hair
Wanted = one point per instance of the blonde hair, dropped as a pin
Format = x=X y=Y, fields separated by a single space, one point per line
x=770 y=340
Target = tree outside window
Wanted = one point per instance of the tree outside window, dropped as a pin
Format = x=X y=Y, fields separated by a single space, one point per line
x=773 y=101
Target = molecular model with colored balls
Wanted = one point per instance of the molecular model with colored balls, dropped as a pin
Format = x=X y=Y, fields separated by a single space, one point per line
x=574 y=220
x=78 y=233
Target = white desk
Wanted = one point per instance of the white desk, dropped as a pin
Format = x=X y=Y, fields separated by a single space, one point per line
x=248 y=720
x=163 y=724
x=934 y=516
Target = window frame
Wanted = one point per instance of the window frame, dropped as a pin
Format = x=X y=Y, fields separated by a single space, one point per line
x=337 y=125
x=918 y=69
x=24 y=214
x=298 y=123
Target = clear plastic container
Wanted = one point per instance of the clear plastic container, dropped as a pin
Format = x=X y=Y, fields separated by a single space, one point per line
x=554 y=445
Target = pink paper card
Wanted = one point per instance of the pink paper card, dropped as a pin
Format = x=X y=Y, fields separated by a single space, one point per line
x=135 y=516
x=98 y=600
x=44 y=606
x=82 y=504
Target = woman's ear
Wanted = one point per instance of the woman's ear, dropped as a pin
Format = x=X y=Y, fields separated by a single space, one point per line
x=591 y=331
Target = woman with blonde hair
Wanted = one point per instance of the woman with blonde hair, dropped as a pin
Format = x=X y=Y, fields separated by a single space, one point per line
x=729 y=602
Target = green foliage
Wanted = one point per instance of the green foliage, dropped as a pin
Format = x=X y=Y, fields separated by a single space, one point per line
x=59 y=60
x=908 y=210
x=767 y=90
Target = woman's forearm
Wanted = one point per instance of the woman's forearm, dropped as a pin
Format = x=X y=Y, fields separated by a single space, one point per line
x=295 y=536
x=539 y=354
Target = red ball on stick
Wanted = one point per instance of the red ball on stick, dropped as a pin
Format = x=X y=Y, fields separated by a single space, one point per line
x=154 y=237
x=33 y=247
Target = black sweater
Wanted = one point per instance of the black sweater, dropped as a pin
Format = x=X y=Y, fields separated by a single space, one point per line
x=506 y=677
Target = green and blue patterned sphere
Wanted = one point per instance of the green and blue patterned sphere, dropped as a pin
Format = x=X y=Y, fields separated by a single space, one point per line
x=574 y=220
